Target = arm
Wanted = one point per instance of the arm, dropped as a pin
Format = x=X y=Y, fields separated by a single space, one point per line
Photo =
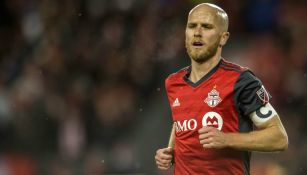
x=171 y=142
x=164 y=156
x=269 y=136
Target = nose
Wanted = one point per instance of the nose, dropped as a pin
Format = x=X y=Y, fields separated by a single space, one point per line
x=197 y=32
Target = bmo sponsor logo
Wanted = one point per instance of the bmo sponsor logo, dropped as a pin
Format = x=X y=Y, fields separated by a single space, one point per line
x=185 y=125
x=212 y=119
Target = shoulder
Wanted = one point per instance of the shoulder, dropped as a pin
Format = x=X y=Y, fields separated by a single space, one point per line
x=249 y=93
x=230 y=66
x=244 y=74
x=177 y=75
x=248 y=78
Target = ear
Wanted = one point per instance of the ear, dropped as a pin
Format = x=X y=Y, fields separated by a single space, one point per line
x=224 y=38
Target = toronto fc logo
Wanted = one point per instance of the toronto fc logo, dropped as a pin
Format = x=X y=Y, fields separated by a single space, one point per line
x=213 y=98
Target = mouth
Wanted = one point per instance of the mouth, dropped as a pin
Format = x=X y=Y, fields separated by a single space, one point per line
x=197 y=44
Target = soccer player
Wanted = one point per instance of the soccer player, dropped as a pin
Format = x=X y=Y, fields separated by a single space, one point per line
x=215 y=104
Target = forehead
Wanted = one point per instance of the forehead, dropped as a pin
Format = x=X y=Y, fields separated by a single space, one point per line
x=202 y=16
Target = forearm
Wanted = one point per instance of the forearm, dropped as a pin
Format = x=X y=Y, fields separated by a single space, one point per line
x=272 y=138
x=171 y=142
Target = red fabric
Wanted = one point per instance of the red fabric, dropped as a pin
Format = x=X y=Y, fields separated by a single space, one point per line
x=189 y=115
x=21 y=165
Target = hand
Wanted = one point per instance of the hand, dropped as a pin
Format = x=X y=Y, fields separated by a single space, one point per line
x=164 y=158
x=211 y=137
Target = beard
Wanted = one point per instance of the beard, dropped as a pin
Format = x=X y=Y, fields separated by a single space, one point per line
x=202 y=55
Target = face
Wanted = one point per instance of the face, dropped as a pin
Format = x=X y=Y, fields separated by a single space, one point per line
x=203 y=35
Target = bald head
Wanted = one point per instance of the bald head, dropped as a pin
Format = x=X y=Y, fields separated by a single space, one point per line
x=218 y=13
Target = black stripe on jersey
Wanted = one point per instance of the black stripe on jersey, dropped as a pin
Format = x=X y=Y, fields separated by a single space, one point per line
x=232 y=69
x=230 y=64
x=187 y=69
x=246 y=162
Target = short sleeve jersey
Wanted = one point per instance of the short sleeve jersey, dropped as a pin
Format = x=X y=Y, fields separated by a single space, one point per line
x=223 y=98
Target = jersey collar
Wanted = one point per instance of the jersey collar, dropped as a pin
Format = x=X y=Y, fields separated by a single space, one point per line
x=204 y=78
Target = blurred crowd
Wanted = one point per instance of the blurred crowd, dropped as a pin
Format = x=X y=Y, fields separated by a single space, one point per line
x=81 y=79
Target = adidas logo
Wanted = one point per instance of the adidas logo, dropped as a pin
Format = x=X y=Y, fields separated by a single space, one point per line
x=176 y=103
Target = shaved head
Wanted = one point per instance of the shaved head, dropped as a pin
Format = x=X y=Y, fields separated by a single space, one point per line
x=220 y=15
x=206 y=32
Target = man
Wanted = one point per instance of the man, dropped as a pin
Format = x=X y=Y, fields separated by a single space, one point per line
x=215 y=105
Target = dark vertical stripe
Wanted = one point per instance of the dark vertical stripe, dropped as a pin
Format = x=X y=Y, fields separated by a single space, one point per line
x=244 y=125
x=246 y=162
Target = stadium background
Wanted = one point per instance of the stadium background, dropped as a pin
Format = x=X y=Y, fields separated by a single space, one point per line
x=81 y=81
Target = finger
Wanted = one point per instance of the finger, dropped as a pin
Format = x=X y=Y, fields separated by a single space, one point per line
x=168 y=150
x=205 y=129
x=208 y=145
x=206 y=141
x=163 y=163
x=163 y=167
x=165 y=151
x=164 y=156
x=204 y=136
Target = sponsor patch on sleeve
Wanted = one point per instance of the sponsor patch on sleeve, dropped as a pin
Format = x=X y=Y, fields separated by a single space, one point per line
x=263 y=95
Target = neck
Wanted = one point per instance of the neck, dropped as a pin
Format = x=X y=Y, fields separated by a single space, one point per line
x=199 y=70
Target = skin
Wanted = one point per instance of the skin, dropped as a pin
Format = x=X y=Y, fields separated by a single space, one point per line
x=207 y=25
x=164 y=156
x=269 y=137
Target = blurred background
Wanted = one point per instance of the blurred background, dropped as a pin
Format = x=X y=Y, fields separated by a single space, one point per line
x=82 y=81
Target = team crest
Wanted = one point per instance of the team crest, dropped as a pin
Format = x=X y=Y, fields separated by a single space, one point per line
x=213 y=98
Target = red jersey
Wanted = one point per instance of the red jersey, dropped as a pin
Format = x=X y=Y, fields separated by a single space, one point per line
x=223 y=98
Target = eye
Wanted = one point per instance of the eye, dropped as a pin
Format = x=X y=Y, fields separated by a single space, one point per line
x=191 y=25
x=207 y=26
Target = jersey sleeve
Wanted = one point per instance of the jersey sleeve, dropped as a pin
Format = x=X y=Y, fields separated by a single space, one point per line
x=249 y=93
